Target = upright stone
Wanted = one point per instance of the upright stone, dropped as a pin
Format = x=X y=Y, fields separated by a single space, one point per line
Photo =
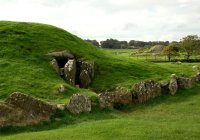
x=173 y=85
x=70 y=71
x=88 y=66
x=85 y=79
x=79 y=103
x=55 y=66
x=185 y=82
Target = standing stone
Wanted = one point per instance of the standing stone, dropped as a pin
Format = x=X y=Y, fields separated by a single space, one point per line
x=55 y=66
x=88 y=66
x=70 y=71
x=85 y=79
x=173 y=86
x=79 y=103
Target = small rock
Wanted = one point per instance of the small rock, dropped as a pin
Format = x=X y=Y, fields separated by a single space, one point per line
x=61 y=107
x=61 y=88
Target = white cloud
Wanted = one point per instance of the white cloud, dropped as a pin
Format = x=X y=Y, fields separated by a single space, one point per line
x=121 y=19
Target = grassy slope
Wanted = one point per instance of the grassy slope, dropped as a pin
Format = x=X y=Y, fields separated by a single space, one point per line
x=166 y=117
x=25 y=67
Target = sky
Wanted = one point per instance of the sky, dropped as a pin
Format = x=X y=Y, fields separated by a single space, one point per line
x=147 y=20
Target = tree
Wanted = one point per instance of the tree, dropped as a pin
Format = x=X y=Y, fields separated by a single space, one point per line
x=171 y=50
x=190 y=44
x=94 y=42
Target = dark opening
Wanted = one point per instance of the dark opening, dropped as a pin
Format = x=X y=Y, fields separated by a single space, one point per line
x=62 y=62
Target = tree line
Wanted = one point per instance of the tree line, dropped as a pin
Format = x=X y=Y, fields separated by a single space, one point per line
x=116 y=44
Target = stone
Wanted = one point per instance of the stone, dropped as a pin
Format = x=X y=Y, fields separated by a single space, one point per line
x=115 y=98
x=105 y=100
x=185 y=83
x=61 y=89
x=88 y=66
x=70 y=71
x=85 y=79
x=79 y=103
x=61 y=107
x=55 y=66
x=33 y=106
x=61 y=55
x=62 y=73
x=23 y=110
x=146 y=90
x=173 y=85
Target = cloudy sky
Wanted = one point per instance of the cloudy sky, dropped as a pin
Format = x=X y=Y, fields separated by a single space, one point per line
x=102 y=19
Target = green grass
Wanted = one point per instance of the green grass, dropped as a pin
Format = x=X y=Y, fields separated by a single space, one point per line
x=24 y=65
x=166 y=117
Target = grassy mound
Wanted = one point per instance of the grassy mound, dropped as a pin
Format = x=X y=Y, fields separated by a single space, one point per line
x=24 y=65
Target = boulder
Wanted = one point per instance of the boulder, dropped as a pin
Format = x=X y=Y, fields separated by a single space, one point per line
x=106 y=100
x=146 y=90
x=185 y=83
x=32 y=106
x=173 y=86
x=12 y=116
x=23 y=110
x=85 y=79
x=60 y=55
x=55 y=66
x=70 y=71
x=115 y=98
x=79 y=103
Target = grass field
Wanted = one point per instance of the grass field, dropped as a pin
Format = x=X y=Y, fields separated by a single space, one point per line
x=24 y=67
x=166 y=117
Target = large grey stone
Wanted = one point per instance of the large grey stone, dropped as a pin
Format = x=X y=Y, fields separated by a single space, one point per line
x=173 y=85
x=185 y=82
x=61 y=55
x=79 y=103
x=85 y=79
x=146 y=90
x=88 y=66
x=115 y=98
x=70 y=71
x=34 y=106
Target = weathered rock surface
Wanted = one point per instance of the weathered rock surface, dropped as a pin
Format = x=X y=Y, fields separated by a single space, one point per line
x=111 y=99
x=61 y=55
x=146 y=90
x=89 y=67
x=85 y=79
x=185 y=82
x=31 y=105
x=22 y=110
x=70 y=71
x=173 y=85
x=79 y=103
x=55 y=66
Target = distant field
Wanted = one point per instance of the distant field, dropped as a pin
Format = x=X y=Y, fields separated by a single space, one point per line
x=167 y=117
